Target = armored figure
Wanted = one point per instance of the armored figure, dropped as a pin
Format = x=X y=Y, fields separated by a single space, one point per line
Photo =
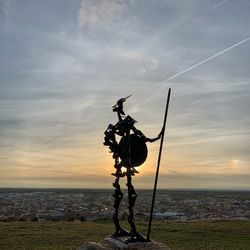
x=129 y=153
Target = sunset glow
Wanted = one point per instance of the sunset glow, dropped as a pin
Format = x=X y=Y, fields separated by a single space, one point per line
x=63 y=64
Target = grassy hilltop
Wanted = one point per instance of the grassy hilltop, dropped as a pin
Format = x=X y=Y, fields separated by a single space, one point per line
x=177 y=235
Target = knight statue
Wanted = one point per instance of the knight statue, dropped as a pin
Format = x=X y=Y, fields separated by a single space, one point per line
x=129 y=152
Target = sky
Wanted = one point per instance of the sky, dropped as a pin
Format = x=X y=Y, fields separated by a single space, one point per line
x=63 y=64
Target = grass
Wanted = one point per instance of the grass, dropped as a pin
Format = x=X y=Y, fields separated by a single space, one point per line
x=177 y=235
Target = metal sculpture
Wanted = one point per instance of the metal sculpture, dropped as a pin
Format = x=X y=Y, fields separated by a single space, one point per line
x=129 y=153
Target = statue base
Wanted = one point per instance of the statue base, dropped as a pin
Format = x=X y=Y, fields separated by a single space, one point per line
x=119 y=243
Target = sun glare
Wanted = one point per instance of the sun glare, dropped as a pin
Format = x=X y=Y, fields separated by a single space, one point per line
x=234 y=162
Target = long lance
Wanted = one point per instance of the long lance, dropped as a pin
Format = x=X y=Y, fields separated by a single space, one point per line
x=158 y=165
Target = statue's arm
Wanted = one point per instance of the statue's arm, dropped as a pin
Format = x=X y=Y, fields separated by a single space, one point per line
x=138 y=132
x=156 y=138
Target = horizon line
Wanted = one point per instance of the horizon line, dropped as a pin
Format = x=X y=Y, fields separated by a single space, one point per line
x=149 y=189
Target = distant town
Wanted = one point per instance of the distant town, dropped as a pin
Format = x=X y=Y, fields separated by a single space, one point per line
x=82 y=205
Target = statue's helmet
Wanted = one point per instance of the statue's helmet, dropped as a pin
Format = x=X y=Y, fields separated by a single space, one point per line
x=118 y=107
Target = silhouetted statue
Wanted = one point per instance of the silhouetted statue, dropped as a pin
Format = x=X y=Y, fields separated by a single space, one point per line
x=130 y=152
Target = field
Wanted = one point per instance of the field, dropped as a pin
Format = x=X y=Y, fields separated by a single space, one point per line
x=177 y=235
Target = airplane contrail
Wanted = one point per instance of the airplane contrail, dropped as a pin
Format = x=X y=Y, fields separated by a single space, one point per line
x=209 y=11
x=214 y=8
x=206 y=60
x=202 y=16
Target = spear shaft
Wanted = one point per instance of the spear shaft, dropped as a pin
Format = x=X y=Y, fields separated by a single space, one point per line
x=158 y=165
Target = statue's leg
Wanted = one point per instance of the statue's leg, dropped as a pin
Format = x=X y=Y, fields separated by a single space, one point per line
x=118 y=196
x=132 y=196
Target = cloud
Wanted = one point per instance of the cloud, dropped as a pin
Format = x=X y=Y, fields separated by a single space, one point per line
x=4 y=9
x=148 y=66
x=63 y=66
x=68 y=180
x=210 y=181
x=94 y=12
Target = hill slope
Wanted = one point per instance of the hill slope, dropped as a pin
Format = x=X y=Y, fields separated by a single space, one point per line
x=177 y=235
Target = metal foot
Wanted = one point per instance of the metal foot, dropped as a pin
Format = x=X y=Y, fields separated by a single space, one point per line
x=121 y=233
x=136 y=238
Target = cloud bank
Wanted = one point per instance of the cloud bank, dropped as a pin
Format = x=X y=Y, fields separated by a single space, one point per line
x=63 y=64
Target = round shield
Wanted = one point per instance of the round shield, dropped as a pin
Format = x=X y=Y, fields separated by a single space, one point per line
x=138 y=150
